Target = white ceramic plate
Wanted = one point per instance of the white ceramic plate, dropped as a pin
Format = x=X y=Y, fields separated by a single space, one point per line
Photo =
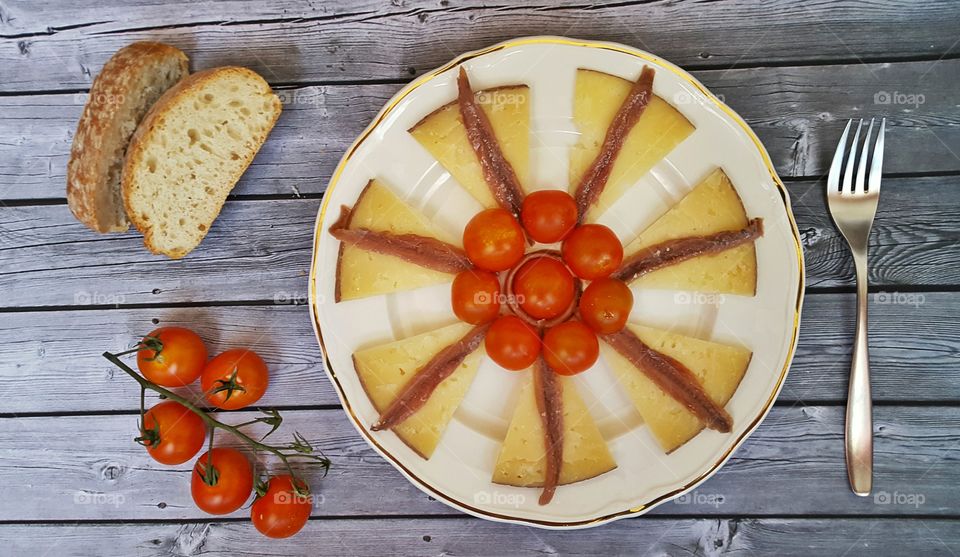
x=459 y=472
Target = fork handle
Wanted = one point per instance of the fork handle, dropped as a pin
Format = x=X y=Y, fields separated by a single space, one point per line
x=859 y=427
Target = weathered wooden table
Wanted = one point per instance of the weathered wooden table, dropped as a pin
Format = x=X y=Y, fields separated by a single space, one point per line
x=73 y=482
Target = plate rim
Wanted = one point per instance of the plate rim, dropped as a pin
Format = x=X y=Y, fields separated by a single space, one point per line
x=422 y=484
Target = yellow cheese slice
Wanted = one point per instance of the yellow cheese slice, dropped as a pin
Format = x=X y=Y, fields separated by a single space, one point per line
x=522 y=459
x=719 y=368
x=597 y=98
x=712 y=206
x=362 y=273
x=385 y=369
x=443 y=134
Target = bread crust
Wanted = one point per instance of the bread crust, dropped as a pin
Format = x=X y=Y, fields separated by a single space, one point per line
x=99 y=129
x=144 y=135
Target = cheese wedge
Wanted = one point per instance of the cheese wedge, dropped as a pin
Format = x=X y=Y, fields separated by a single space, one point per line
x=385 y=369
x=443 y=134
x=522 y=460
x=597 y=98
x=719 y=368
x=362 y=273
x=712 y=206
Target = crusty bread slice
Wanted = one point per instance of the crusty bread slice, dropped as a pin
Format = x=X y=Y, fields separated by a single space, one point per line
x=127 y=86
x=189 y=152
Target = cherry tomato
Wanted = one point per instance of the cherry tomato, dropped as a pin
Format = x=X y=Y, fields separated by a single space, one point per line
x=232 y=480
x=544 y=287
x=592 y=251
x=548 y=215
x=235 y=379
x=171 y=433
x=605 y=305
x=476 y=296
x=281 y=512
x=494 y=240
x=512 y=344
x=172 y=356
x=570 y=348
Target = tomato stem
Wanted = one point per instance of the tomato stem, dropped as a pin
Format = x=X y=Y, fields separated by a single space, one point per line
x=147 y=343
x=148 y=437
x=299 y=448
x=230 y=385
x=210 y=475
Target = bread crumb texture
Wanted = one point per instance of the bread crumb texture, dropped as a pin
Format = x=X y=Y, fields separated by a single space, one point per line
x=191 y=150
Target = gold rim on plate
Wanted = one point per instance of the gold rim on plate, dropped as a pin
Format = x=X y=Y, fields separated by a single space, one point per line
x=385 y=111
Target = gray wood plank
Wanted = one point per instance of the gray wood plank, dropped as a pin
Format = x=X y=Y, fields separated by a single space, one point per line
x=88 y=467
x=368 y=40
x=786 y=537
x=48 y=259
x=913 y=241
x=796 y=111
x=42 y=349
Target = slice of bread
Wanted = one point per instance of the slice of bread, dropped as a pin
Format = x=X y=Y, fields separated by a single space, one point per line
x=128 y=85
x=189 y=152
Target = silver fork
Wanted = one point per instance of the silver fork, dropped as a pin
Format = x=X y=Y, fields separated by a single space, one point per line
x=853 y=207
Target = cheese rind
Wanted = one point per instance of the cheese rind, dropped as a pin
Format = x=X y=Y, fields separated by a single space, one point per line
x=443 y=134
x=712 y=206
x=597 y=98
x=362 y=273
x=385 y=369
x=718 y=367
x=522 y=459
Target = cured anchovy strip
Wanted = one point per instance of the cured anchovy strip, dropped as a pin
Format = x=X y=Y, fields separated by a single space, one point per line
x=549 y=392
x=595 y=178
x=418 y=390
x=679 y=250
x=419 y=250
x=673 y=377
x=497 y=171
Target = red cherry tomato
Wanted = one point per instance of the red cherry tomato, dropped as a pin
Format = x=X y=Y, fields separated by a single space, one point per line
x=179 y=360
x=544 y=287
x=592 y=251
x=548 y=215
x=171 y=433
x=605 y=305
x=231 y=479
x=281 y=512
x=512 y=344
x=494 y=240
x=570 y=347
x=235 y=379
x=475 y=296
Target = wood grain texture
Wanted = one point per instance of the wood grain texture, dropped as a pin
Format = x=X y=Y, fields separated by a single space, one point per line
x=785 y=537
x=48 y=259
x=42 y=349
x=793 y=465
x=798 y=112
x=292 y=41
x=913 y=241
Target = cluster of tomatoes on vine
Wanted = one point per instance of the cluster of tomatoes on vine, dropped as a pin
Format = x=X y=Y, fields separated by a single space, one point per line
x=541 y=288
x=173 y=431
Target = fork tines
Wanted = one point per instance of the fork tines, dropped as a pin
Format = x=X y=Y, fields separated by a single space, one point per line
x=857 y=183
